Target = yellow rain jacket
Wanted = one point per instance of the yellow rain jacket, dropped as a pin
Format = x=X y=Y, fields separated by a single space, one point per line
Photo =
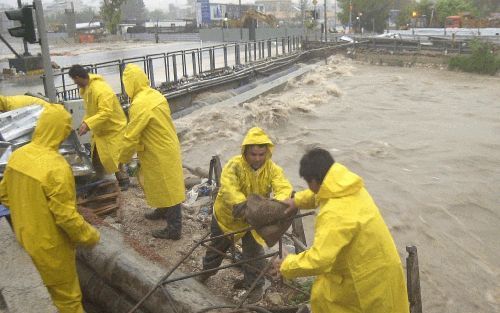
x=152 y=134
x=39 y=188
x=9 y=103
x=239 y=179
x=105 y=118
x=353 y=255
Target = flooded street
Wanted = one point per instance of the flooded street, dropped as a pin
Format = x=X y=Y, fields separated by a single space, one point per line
x=426 y=143
x=67 y=55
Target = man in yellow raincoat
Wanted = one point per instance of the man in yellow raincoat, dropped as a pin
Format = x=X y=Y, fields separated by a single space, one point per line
x=39 y=189
x=104 y=116
x=353 y=256
x=9 y=103
x=151 y=133
x=251 y=172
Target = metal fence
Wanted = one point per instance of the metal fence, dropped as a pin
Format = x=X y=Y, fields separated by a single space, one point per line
x=173 y=68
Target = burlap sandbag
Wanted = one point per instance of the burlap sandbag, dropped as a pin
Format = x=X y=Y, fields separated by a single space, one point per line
x=266 y=215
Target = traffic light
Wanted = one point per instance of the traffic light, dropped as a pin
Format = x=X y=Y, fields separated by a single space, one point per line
x=27 y=30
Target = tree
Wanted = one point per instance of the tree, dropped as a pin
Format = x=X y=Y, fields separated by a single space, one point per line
x=157 y=14
x=486 y=6
x=370 y=12
x=446 y=8
x=422 y=8
x=134 y=10
x=111 y=14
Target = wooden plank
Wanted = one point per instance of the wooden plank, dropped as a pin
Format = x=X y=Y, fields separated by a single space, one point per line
x=298 y=232
x=413 y=280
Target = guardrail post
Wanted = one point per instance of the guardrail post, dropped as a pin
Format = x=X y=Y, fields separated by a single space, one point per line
x=193 y=60
x=277 y=50
x=64 y=86
x=200 y=61
x=151 y=73
x=289 y=44
x=283 y=45
x=212 y=59
x=174 y=67
x=237 y=54
x=225 y=56
x=246 y=53
x=165 y=66
x=121 y=68
x=184 y=64
x=254 y=50
x=168 y=69
x=269 y=48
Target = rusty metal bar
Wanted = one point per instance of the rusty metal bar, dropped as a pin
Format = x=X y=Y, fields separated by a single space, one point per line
x=265 y=256
x=261 y=274
x=257 y=270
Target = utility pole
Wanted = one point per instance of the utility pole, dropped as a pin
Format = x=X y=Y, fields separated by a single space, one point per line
x=50 y=89
x=326 y=25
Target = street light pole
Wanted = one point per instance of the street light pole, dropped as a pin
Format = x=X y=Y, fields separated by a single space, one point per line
x=241 y=29
x=335 y=20
x=326 y=27
x=350 y=15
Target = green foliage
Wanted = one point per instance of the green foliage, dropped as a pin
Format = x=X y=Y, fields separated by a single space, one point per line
x=310 y=24
x=482 y=61
x=424 y=7
x=59 y=17
x=370 y=12
x=157 y=14
x=133 y=10
x=485 y=7
x=445 y=8
x=111 y=14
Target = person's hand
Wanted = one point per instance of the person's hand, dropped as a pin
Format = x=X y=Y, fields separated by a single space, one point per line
x=84 y=128
x=275 y=269
x=292 y=209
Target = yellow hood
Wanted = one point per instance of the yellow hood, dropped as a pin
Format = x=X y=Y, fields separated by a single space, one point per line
x=339 y=182
x=257 y=136
x=53 y=126
x=134 y=80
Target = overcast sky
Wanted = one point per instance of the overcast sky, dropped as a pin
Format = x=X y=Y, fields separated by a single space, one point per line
x=150 y=4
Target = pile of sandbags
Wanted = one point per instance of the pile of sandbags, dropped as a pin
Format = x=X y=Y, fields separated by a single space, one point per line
x=266 y=215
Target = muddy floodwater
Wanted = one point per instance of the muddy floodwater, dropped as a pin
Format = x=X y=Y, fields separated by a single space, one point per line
x=426 y=142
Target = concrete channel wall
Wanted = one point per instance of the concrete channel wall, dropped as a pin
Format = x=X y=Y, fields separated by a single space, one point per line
x=114 y=269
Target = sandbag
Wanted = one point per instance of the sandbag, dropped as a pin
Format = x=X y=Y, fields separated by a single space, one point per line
x=266 y=215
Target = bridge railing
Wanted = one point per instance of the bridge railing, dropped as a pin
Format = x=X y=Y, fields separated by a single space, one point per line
x=175 y=67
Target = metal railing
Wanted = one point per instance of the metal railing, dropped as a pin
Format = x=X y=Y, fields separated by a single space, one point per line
x=169 y=69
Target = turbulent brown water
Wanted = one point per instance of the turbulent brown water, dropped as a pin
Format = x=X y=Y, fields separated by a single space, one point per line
x=426 y=142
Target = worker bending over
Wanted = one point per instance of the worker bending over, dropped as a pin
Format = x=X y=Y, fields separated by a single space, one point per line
x=151 y=133
x=39 y=189
x=105 y=118
x=353 y=256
